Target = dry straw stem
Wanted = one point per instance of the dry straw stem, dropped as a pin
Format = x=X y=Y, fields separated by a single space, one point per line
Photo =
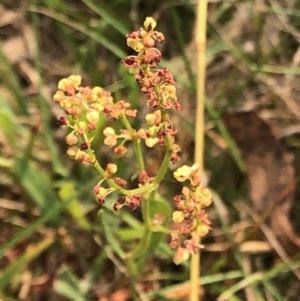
x=199 y=132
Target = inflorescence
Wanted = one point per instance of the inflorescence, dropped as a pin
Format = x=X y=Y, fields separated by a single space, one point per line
x=84 y=106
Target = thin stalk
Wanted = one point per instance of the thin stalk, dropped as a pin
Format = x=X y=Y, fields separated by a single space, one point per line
x=112 y=184
x=145 y=240
x=136 y=144
x=165 y=163
x=168 y=154
x=200 y=127
x=135 y=257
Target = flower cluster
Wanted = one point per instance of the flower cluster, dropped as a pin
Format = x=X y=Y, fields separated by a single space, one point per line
x=190 y=213
x=156 y=83
x=83 y=107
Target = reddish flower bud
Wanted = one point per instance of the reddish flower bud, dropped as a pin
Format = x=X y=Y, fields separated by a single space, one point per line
x=96 y=189
x=84 y=146
x=160 y=37
x=91 y=127
x=121 y=182
x=63 y=121
x=143 y=178
x=129 y=61
x=120 y=150
x=148 y=42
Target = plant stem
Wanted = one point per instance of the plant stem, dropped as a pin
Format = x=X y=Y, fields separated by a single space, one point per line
x=136 y=144
x=135 y=258
x=165 y=163
x=141 y=190
x=144 y=243
x=200 y=127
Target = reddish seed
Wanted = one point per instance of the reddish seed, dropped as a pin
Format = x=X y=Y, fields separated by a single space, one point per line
x=84 y=146
x=62 y=121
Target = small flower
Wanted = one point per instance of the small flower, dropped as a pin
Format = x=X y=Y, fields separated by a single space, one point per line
x=126 y=135
x=141 y=133
x=97 y=91
x=143 y=178
x=134 y=201
x=181 y=255
x=160 y=37
x=63 y=121
x=111 y=137
x=153 y=131
x=83 y=157
x=74 y=80
x=202 y=230
x=72 y=151
x=178 y=217
x=80 y=128
x=111 y=169
x=193 y=245
x=92 y=116
x=185 y=172
x=148 y=42
x=59 y=96
x=120 y=151
x=92 y=127
x=117 y=207
x=131 y=113
x=157 y=113
x=150 y=142
x=71 y=139
x=170 y=91
x=150 y=119
x=101 y=193
x=150 y=23
x=62 y=84
x=158 y=219
x=121 y=182
x=185 y=191
x=97 y=107
x=135 y=44
x=203 y=196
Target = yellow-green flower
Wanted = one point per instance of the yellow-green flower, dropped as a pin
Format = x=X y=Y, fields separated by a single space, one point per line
x=185 y=172
x=150 y=23
x=178 y=217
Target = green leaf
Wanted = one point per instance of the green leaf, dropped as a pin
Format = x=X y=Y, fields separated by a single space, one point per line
x=108 y=232
x=68 y=196
x=35 y=182
x=10 y=80
x=108 y=18
x=69 y=286
x=130 y=234
x=7 y=125
x=158 y=207
x=49 y=215
x=32 y=252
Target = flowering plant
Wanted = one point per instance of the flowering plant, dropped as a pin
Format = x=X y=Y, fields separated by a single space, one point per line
x=85 y=106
